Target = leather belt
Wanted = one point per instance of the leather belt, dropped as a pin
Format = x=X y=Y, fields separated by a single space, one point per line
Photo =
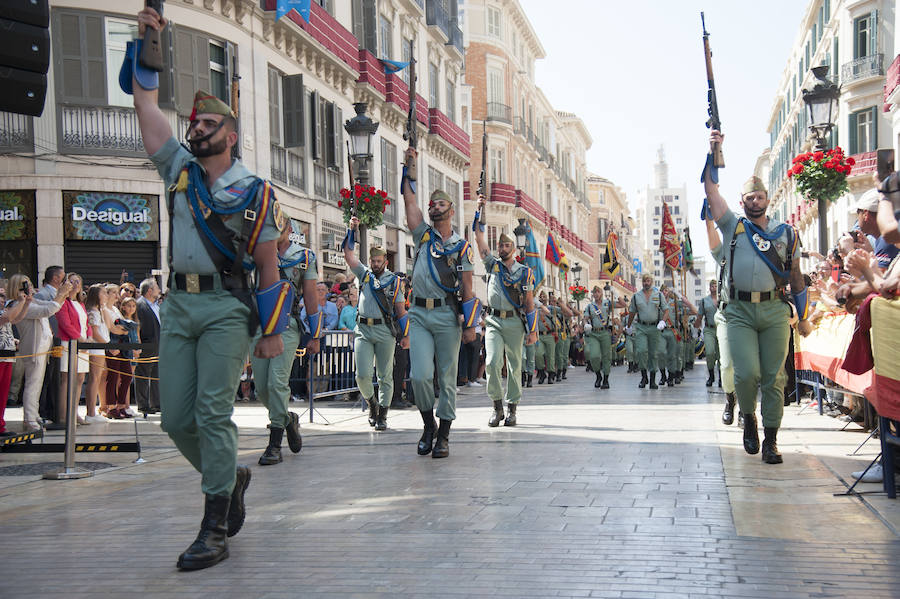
x=654 y=322
x=194 y=283
x=753 y=297
x=371 y=321
x=500 y=313
x=429 y=302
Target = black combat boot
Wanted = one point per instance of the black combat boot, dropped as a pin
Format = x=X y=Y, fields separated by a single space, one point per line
x=599 y=380
x=653 y=384
x=524 y=377
x=770 y=453
x=237 y=511
x=712 y=377
x=563 y=372
x=643 y=382
x=373 y=410
x=542 y=376
x=720 y=378
x=427 y=439
x=728 y=414
x=511 y=416
x=679 y=377
x=605 y=383
x=550 y=377
x=497 y=414
x=668 y=378
x=442 y=444
x=381 y=419
x=751 y=434
x=528 y=382
x=210 y=546
x=740 y=419
x=295 y=442
x=272 y=454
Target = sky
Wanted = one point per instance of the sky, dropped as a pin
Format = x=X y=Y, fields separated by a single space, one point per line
x=634 y=72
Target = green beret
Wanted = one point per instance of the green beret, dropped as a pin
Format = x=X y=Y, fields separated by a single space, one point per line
x=205 y=102
x=752 y=184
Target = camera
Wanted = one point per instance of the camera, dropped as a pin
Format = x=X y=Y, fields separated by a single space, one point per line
x=25 y=287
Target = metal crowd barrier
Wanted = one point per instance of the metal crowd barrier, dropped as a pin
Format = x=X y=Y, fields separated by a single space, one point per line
x=330 y=372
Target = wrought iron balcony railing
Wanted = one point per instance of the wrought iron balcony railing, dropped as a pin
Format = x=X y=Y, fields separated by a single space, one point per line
x=499 y=112
x=111 y=130
x=863 y=68
x=287 y=167
x=16 y=133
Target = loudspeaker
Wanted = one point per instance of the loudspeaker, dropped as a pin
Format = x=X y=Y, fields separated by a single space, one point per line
x=24 y=55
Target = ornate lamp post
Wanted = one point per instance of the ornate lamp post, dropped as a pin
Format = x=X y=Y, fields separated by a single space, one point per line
x=521 y=233
x=576 y=272
x=361 y=130
x=822 y=104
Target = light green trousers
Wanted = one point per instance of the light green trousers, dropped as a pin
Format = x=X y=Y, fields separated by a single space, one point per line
x=646 y=341
x=272 y=377
x=629 y=348
x=726 y=367
x=373 y=348
x=545 y=353
x=504 y=335
x=758 y=337
x=203 y=344
x=598 y=344
x=562 y=353
x=667 y=352
x=528 y=353
x=711 y=347
x=434 y=334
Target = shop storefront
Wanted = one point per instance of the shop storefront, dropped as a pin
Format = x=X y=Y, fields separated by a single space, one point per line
x=108 y=232
x=18 y=253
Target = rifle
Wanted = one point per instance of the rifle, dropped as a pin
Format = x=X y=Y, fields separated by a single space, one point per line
x=482 y=180
x=714 y=122
x=351 y=199
x=410 y=133
x=236 y=104
x=151 y=51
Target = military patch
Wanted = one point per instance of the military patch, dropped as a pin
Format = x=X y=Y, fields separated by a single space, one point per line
x=470 y=254
x=278 y=215
x=762 y=244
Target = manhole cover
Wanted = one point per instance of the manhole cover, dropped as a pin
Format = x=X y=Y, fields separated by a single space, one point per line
x=42 y=467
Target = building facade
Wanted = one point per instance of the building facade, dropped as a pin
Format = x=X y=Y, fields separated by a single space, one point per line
x=91 y=200
x=610 y=213
x=535 y=165
x=649 y=215
x=855 y=38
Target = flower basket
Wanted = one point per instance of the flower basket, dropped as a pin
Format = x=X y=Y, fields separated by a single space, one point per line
x=579 y=292
x=821 y=175
x=370 y=204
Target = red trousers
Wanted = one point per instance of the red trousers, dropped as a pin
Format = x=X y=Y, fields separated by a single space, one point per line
x=117 y=383
x=5 y=377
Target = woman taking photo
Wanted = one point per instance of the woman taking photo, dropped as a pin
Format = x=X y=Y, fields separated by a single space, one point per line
x=72 y=320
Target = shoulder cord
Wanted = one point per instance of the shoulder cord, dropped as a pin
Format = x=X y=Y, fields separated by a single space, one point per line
x=195 y=179
x=500 y=268
x=204 y=227
x=444 y=252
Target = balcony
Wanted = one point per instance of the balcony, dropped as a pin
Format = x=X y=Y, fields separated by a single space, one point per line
x=16 y=133
x=101 y=130
x=519 y=127
x=862 y=68
x=866 y=162
x=287 y=167
x=499 y=112
x=437 y=16
x=456 y=38
x=892 y=80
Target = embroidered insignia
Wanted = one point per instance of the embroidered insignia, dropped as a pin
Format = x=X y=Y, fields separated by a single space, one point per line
x=470 y=255
x=280 y=220
x=762 y=244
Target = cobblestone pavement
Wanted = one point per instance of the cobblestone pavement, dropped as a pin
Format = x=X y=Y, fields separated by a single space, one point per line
x=619 y=493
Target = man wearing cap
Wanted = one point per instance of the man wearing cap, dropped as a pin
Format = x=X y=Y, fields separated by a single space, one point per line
x=297 y=265
x=381 y=313
x=563 y=314
x=671 y=352
x=649 y=308
x=761 y=258
x=707 y=323
x=442 y=269
x=545 y=349
x=224 y=223
x=599 y=327
x=510 y=319
x=867 y=221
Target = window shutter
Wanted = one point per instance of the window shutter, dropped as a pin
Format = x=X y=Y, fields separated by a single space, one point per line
x=852 y=149
x=331 y=154
x=315 y=148
x=322 y=130
x=338 y=136
x=81 y=60
x=359 y=28
x=167 y=77
x=184 y=70
x=201 y=63
x=294 y=101
x=873 y=137
x=370 y=26
x=873 y=32
x=274 y=108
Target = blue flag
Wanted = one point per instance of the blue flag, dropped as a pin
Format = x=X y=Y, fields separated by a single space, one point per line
x=392 y=66
x=636 y=263
x=283 y=7
x=533 y=258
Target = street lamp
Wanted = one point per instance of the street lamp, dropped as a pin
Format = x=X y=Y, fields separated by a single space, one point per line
x=361 y=130
x=576 y=272
x=521 y=233
x=822 y=103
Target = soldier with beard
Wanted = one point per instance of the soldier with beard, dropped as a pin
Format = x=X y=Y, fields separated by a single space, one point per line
x=545 y=352
x=381 y=310
x=648 y=306
x=599 y=332
x=441 y=271
x=510 y=291
x=224 y=223
x=761 y=258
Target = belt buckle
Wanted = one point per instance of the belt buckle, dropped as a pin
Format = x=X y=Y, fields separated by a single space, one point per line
x=755 y=297
x=192 y=282
x=249 y=214
x=429 y=303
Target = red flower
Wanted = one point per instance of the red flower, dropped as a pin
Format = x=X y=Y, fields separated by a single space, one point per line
x=818 y=156
x=798 y=168
x=371 y=189
x=790 y=173
x=357 y=189
x=340 y=203
x=382 y=193
x=367 y=200
x=829 y=164
x=851 y=161
x=387 y=202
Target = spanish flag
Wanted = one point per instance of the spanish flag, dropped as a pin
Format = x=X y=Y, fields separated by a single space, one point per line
x=669 y=243
x=552 y=254
x=611 y=256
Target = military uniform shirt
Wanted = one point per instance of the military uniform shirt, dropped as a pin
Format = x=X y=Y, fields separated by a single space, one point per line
x=545 y=321
x=647 y=311
x=188 y=253
x=496 y=298
x=295 y=274
x=423 y=284
x=368 y=305
x=707 y=309
x=599 y=315
x=749 y=271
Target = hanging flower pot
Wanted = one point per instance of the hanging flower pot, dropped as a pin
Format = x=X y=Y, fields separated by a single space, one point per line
x=370 y=204
x=821 y=175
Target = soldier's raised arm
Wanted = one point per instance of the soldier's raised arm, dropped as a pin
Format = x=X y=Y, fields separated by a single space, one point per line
x=155 y=128
x=414 y=216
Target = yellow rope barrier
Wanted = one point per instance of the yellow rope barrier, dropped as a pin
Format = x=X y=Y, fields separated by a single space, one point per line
x=137 y=376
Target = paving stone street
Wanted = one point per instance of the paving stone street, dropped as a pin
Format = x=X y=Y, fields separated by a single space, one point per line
x=619 y=493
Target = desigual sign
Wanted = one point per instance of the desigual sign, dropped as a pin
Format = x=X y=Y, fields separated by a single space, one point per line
x=16 y=215
x=102 y=216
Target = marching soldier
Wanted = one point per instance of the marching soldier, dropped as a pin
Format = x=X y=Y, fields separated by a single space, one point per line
x=648 y=307
x=381 y=312
x=442 y=269
x=528 y=363
x=599 y=331
x=629 y=341
x=563 y=314
x=707 y=323
x=510 y=296
x=224 y=223
x=545 y=352
x=761 y=258
x=272 y=375
x=674 y=337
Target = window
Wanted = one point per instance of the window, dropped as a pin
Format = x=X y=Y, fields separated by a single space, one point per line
x=493 y=24
x=495 y=86
x=286 y=128
x=675 y=209
x=493 y=232
x=405 y=57
x=387 y=38
x=326 y=143
x=451 y=101
x=435 y=180
x=452 y=189
x=656 y=210
x=677 y=221
x=433 y=88
x=328 y=5
x=655 y=232
x=497 y=159
x=864 y=131
x=389 y=177
x=118 y=33
x=365 y=23
x=865 y=35
x=218 y=71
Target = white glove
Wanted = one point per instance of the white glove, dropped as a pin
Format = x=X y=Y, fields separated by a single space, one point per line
x=629 y=330
x=588 y=328
x=661 y=325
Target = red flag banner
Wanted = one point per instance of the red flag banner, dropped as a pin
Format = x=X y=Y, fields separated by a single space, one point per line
x=669 y=243
x=552 y=254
